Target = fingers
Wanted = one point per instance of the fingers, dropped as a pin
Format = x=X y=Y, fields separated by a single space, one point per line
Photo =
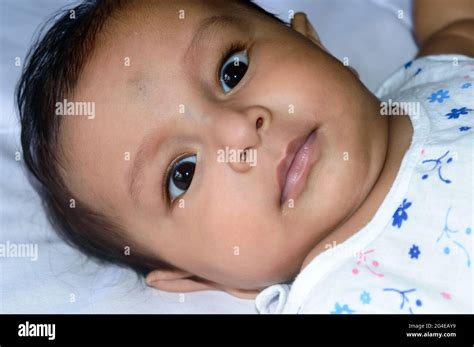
x=301 y=24
x=298 y=23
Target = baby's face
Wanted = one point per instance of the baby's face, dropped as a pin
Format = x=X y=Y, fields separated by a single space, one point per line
x=157 y=95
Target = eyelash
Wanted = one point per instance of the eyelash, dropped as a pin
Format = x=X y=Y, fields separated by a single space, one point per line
x=166 y=177
x=232 y=48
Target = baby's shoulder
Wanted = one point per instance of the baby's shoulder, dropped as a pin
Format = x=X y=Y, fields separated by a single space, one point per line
x=438 y=88
x=451 y=70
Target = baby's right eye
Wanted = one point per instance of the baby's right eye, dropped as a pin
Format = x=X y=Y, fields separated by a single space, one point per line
x=180 y=176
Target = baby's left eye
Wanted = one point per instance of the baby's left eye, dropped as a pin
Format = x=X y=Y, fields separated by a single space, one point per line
x=233 y=70
x=180 y=176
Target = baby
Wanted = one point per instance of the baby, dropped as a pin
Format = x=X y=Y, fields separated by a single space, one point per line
x=208 y=145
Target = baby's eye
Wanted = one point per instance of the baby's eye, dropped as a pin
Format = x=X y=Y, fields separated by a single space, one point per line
x=233 y=70
x=180 y=176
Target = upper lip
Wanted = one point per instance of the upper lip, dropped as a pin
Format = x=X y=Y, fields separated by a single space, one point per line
x=290 y=153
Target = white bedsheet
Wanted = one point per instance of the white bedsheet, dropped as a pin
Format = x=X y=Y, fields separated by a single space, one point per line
x=61 y=280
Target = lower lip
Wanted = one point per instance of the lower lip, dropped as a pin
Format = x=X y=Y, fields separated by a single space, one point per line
x=299 y=169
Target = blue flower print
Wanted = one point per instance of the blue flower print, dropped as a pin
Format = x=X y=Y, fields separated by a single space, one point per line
x=400 y=214
x=450 y=235
x=414 y=252
x=456 y=112
x=437 y=164
x=464 y=128
x=466 y=85
x=338 y=309
x=417 y=71
x=407 y=65
x=439 y=96
x=365 y=298
x=404 y=297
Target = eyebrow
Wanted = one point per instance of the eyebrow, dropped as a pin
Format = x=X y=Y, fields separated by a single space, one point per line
x=209 y=26
x=142 y=157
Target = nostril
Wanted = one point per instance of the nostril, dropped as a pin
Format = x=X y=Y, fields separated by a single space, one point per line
x=243 y=155
x=259 y=122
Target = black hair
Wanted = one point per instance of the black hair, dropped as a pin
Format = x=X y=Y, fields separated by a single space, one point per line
x=53 y=65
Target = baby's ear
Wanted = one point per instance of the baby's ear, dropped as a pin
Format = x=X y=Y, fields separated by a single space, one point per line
x=182 y=281
x=177 y=281
x=301 y=24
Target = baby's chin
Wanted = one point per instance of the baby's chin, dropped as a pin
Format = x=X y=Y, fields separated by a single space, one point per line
x=280 y=271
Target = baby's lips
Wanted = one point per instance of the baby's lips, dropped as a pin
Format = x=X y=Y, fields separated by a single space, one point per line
x=285 y=163
x=290 y=152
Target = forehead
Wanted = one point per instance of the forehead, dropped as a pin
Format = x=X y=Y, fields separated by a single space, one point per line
x=144 y=47
x=170 y=18
x=149 y=34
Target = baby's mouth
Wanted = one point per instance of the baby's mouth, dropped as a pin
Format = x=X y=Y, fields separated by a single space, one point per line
x=293 y=169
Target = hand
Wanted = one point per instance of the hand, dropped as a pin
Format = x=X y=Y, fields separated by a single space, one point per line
x=443 y=26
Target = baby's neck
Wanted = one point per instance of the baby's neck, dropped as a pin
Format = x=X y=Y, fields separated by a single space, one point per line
x=400 y=133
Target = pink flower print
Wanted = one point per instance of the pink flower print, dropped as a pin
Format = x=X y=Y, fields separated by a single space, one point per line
x=363 y=261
